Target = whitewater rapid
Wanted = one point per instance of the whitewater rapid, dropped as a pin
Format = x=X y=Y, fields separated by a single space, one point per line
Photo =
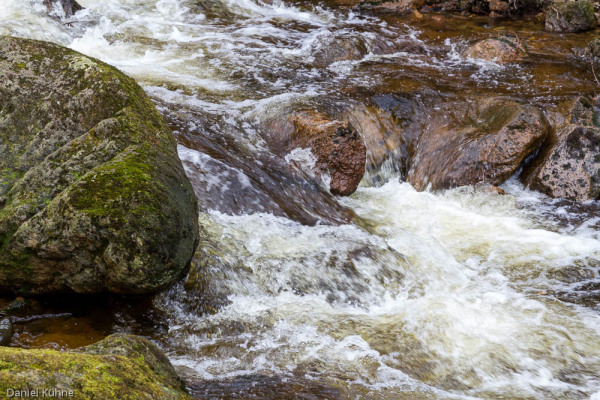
x=464 y=293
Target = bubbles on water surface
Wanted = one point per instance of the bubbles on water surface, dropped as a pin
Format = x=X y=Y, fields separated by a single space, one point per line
x=461 y=294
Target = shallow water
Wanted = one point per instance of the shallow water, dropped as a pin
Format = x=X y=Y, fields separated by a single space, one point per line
x=388 y=294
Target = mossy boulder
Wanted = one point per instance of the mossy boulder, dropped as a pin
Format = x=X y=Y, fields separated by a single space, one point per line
x=119 y=367
x=570 y=16
x=93 y=197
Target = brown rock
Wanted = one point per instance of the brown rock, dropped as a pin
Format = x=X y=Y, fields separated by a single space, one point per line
x=339 y=47
x=338 y=147
x=502 y=49
x=488 y=146
x=69 y=7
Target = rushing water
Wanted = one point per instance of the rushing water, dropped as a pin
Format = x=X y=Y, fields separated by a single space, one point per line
x=390 y=293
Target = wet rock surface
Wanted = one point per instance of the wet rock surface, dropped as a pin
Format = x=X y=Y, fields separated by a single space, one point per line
x=488 y=144
x=569 y=162
x=337 y=146
x=264 y=387
x=500 y=50
x=69 y=7
x=572 y=168
x=93 y=197
x=6 y=331
x=570 y=16
x=120 y=366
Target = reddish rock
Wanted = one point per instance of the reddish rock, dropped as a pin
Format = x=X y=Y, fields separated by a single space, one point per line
x=338 y=147
x=486 y=146
x=501 y=50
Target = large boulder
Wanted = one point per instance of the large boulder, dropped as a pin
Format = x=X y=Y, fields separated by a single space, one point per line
x=339 y=149
x=93 y=197
x=119 y=367
x=488 y=146
x=570 y=16
x=569 y=165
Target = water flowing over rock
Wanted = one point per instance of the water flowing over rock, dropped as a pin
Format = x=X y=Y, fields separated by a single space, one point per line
x=339 y=47
x=6 y=331
x=487 y=145
x=569 y=165
x=391 y=5
x=570 y=16
x=69 y=7
x=120 y=366
x=338 y=147
x=93 y=197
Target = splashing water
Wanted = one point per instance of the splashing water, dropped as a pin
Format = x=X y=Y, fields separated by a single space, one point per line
x=459 y=294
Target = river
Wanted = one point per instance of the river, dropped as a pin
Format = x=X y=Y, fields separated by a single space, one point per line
x=390 y=293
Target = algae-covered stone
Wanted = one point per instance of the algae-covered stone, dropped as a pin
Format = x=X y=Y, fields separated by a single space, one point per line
x=570 y=16
x=93 y=197
x=118 y=367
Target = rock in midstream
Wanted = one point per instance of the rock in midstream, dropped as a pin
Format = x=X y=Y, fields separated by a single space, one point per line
x=93 y=197
x=569 y=165
x=486 y=144
x=339 y=148
x=501 y=50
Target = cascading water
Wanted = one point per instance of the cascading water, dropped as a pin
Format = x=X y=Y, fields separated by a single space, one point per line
x=388 y=294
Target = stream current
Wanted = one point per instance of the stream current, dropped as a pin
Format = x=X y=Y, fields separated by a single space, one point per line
x=389 y=293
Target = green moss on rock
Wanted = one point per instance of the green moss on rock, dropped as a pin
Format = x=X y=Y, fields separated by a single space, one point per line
x=571 y=16
x=118 y=367
x=93 y=197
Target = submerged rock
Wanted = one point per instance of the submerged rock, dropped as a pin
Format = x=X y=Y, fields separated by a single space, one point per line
x=118 y=367
x=500 y=50
x=339 y=47
x=6 y=331
x=488 y=146
x=571 y=16
x=337 y=146
x=69 y=7
x=93 y=197
x=594 y=48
